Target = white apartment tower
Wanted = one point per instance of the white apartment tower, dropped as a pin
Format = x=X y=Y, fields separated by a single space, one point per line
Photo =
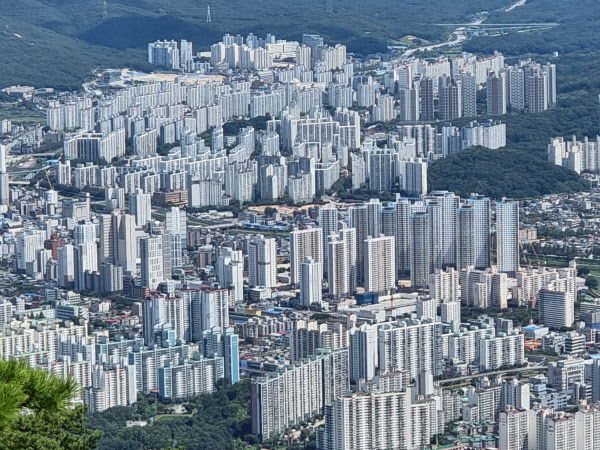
x=111 y=386
x=305 y=243
x=230 y=272
x=513 y=427
x=380 y=264
x=262 y=262
x=151 y=255
x=363 y=353
x=420 y=249
x=367 y=421
x=117 y=240
x=176 y=226
x=560 y=432
x=341 y=275
x=557 y=308
x=140 y=206
x=328 y=222
x=507 y=236
x=481 y=231
x=310 y=282
x=444 y=285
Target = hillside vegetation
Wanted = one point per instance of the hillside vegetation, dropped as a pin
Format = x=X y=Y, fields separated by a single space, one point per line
x=57 y=42
x=502 y=173
x=32 y=55
x=577 y=32
x=521 y=169
x=215 y=421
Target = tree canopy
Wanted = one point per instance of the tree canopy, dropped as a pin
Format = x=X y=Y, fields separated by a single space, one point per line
x=36 y=411
x=219 y=420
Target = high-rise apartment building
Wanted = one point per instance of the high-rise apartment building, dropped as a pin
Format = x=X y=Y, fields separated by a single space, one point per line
x=557 y=308
x=164 y=54
x=151 y=256
x=410 y=345
x=420 y=249
x=513 y=425
x=117 y=240
x=329 y=223
x=262 y=262
x=301 y=391
x=450 y=96
x=140 y=207
x=363 y=353
x=311 y=281
x=303 y=244
x=468 y=85
x=496 y=93
x=225 y=344
x=367 y=421
x=176 y=226
x=189 y=377
x=342 y=257
x=380 y=264
x=230 y=272
x=111 y=386
x=507 y=236
x=426 y=96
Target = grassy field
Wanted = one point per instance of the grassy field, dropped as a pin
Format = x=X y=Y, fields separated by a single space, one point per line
x=20 y=114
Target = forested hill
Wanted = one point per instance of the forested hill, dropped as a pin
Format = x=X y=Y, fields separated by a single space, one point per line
x=216 y=421
x=57 y=42
x=501 y=173
x=521 y=169
x=577 y=32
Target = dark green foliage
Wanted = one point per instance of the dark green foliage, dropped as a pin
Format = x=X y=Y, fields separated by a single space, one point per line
x=577 y=31
x=59 y=42
x=591 y=282
x=501 y=173
x=270 y=211
x=232 y=128
x=521 y=170
x=365 y=195
x=44 y=58
x=35 y=413
x=220 y=420
x=164 y=149
x=48 y=431
x=136 y=32
x=520 y=316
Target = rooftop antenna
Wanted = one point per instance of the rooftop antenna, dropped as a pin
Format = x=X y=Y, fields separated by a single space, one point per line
x=105 y=11
x=208 y=19
x=329 y=9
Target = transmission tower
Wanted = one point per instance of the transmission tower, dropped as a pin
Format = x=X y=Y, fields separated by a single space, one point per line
x=105 y=11
x=208 y=19
x=329 y=9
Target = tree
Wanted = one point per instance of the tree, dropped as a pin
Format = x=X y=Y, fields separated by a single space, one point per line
x=583 y=271
x=591 y=282
x=35 y=411
x=270 y=211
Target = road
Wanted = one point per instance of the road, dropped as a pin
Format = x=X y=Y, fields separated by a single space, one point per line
x=515 y=5
x=459 y=35
x=491 y=374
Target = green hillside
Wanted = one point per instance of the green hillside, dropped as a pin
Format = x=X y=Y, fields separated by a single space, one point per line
x=522 y=170
x=57 y=42
x=578 y=30
x=502 y=173
x=33 y=55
